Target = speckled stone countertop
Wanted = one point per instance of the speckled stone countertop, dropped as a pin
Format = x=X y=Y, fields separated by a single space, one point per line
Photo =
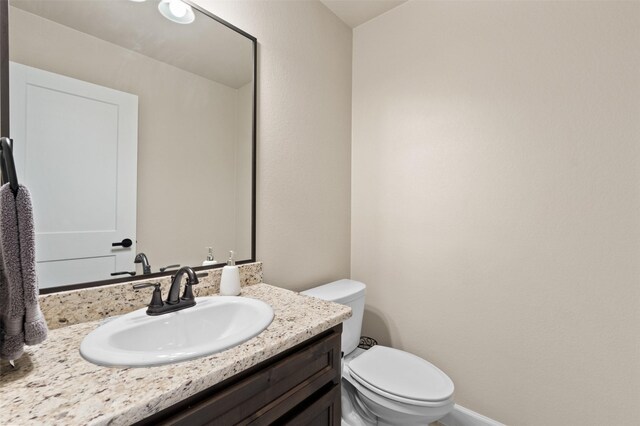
x=55 y=385
x=89 y=304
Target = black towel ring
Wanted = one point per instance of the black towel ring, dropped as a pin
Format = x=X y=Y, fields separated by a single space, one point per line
x=7 y=165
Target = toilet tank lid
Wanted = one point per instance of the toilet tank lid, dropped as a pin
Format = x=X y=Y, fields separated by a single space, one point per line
x=341 y=291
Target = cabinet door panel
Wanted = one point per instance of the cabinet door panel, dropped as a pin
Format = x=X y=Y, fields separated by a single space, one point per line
x=325 y=410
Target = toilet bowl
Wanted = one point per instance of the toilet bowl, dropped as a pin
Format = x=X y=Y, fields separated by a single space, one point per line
x=383 y=386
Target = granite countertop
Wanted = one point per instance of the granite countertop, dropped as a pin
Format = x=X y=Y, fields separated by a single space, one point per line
x=55 y=385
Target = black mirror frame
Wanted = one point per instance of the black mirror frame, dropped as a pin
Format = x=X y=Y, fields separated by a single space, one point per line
x=4 y=130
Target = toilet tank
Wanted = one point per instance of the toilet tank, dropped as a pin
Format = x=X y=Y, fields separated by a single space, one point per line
x=350 y=293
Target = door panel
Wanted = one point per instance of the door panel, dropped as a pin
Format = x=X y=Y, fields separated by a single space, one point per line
x=57 y=271
x=66 y=130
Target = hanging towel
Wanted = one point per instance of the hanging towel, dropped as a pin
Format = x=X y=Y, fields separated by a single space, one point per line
x=21 y=321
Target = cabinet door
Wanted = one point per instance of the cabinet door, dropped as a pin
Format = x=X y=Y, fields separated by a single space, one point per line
x=325 y=410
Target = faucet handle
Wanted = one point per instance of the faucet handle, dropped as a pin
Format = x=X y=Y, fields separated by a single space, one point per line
x=156 y=298
x=164 y=268
x=145 y=285
x=132 y=273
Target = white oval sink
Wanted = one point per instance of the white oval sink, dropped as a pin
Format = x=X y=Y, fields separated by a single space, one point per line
x=213 y=325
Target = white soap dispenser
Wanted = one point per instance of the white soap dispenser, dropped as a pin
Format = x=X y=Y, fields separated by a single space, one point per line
x=210 y=260
x=230 y=281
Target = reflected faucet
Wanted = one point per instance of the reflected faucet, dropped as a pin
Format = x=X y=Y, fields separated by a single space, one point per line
x=142 y=258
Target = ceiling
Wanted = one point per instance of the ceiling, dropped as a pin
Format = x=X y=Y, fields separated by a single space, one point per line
x=205 y=47
x=356 y=12
x=139 y=27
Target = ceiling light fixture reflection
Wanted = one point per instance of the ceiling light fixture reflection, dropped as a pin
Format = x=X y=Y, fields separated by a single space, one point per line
x=176 y=11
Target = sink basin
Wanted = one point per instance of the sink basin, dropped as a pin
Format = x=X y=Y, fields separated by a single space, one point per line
x=213 y=325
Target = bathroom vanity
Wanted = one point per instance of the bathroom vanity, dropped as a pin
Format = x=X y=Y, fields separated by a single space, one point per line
x=288 y=374
x=298 y=387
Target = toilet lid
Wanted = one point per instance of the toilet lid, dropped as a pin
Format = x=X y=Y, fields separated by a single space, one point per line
x=401 y=374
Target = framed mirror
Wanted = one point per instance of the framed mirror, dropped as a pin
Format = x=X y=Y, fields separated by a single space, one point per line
x=133 y=127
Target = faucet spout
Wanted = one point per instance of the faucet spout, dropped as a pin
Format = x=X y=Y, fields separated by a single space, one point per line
x=174 y=291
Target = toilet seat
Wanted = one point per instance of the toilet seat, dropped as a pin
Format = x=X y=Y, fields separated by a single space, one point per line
x=401 y=377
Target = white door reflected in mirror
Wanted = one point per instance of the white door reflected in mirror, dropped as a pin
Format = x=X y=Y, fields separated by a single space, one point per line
x=70 y=128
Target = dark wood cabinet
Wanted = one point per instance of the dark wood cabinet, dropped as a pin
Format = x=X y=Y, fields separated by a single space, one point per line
x=320 y=411
x=300 y=386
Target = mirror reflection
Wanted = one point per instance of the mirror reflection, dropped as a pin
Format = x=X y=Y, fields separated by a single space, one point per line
x=134 y=134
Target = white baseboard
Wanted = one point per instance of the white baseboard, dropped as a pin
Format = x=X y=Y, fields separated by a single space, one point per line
x=461 y=416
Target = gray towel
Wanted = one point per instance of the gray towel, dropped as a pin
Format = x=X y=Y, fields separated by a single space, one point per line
x=20 y=318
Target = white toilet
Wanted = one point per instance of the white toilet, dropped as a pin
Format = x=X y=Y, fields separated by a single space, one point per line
x=382 y=385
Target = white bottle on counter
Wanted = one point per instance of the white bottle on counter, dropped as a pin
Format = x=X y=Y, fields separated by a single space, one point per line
x=210 y=260
x=230 y=281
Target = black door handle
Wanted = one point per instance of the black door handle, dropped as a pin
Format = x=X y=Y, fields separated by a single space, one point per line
x=124 y=243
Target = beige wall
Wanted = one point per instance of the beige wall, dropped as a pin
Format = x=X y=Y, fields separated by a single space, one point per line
x=304 y=134
x=496 y=201
x=188 y=135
